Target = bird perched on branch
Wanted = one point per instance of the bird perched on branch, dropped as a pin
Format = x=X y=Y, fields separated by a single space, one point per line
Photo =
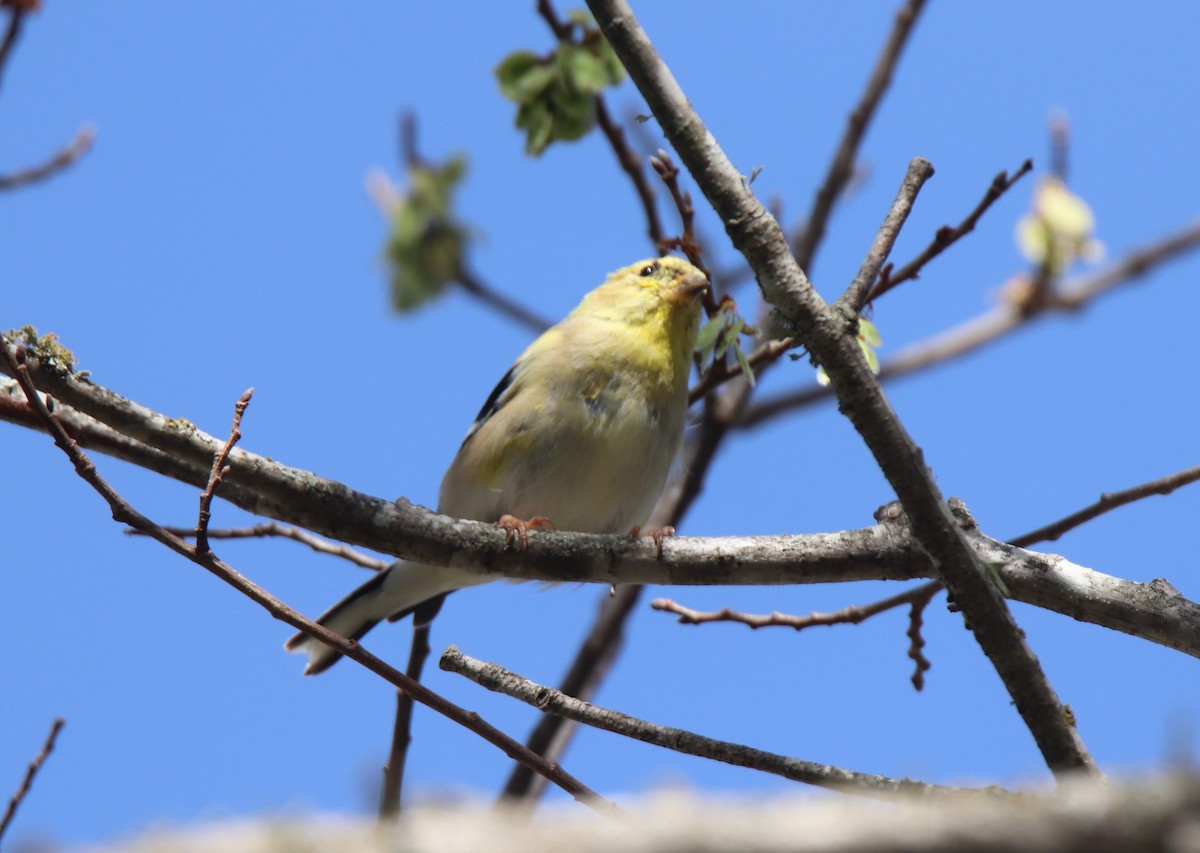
x=581 y=432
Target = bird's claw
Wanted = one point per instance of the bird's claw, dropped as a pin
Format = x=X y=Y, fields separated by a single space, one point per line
x=658 y=534
x=518 y=529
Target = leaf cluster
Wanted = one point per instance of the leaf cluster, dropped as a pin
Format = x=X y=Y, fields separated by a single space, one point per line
x=556 y=93
x=721 y=335
x=426 y=244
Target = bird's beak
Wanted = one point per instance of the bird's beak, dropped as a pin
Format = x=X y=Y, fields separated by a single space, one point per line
x=692 y=285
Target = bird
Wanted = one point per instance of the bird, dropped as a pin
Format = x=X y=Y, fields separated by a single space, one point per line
x=580 y=434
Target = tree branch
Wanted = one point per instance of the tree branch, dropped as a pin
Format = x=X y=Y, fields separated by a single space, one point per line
x=16 y=19
x=510 y=308
x=1075 y=295
x=31 y=773
x=947 y=236
x=842 y=168
x=271 y=528
x=886 y=551
x=1107 y=503
x=498 y=679
x=628 y=159
x=823 y=332
x=124 y=513
x=551 y=734
x=919 y=171
x=393 y=771
x=68 y=155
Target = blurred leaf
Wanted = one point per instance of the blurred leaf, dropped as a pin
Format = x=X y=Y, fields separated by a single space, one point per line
x=425 y=245
x=583 y=70
x=868 y=333
x=707 y=338
x=511 y=73
x=556 y=94
x=1058 y=230
x=747 y=370
x=537 y=121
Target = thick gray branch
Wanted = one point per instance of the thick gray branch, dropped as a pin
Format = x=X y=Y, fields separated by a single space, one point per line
x=829 y=335
x=885 y=551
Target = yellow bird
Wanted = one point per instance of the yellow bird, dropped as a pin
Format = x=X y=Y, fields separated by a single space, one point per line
x=582 y=430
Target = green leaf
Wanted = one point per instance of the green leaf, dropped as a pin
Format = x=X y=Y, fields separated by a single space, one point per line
x=707 y=337
x=511 y=72
x=868 y=333
x=872 y=358
x=571 y=105
x=425 y=245
x=583 y=70
x=747 y=370
x=536 y=82
x=539 y=128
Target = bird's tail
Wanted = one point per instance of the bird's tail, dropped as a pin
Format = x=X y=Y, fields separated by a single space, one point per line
x=392 y=594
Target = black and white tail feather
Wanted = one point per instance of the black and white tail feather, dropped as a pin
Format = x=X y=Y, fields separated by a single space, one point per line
x=392 y=594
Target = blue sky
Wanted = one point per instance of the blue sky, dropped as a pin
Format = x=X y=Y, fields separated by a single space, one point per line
x=218 y=237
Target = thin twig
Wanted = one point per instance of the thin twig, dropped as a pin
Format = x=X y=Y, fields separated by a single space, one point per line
x=763 y=357
x=510 y=308
x=30 y=774
x=16 y=18
x=842 y=167
x=851 y=615
x=465 y=278
x=64 y=157
x=916 y=612
x=496 y=678
x=125 y=514
x=994 y=324
x=631 y=164
x=271 y=528
x=628 y=159
x=219 y=470
x=947 y=236
x=393 y=771
x=917 y=598
x=919 y=171
x=1108 y=502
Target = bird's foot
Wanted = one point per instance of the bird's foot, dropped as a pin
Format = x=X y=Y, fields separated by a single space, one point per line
x=518 y=529
x=658 y=534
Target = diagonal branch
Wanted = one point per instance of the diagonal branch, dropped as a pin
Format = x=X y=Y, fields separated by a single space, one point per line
x=496 y=678
x=628 y=159
x=947 y=236
x=31 y=773
x=124 y=513
x=919 y=171
x=842 y=168
x=66 y=156
x=1108 y=502
x=823 y=331
x=1003 y=320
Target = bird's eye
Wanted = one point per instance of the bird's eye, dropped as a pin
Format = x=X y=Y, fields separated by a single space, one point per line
x=649 y=269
